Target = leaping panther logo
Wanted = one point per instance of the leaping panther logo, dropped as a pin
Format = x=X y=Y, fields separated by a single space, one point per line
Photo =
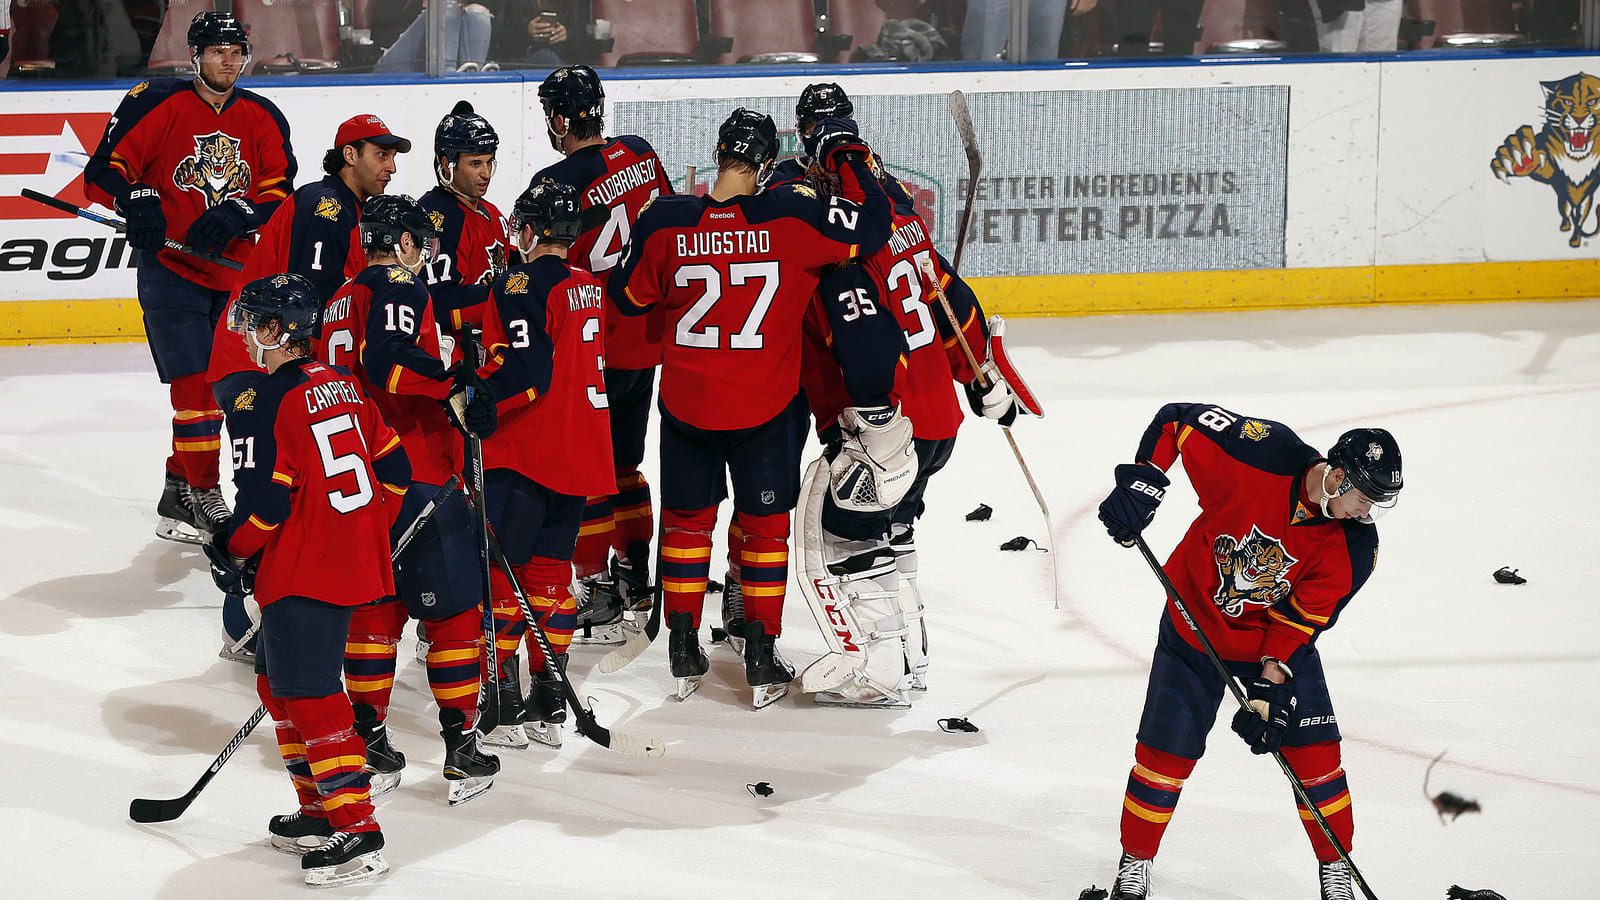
x=215 y=170
x=1253 y=571
x=1561 y=154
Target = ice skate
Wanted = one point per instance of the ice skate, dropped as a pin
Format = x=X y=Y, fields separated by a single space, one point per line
x=467 y=769
x=1133 y=879
x=423 y=644
x=1335 y=880
x=689 y=662
x=768 y=673
x=509 y=732
x=631 y=576
x=384 y=762
x=239 y=653
x=176 y=516
x=348 y=857
x=847 y=696
x=211 y=513
x=600 y=618
x=546 y=708
x=298 y=833
x=733 y=612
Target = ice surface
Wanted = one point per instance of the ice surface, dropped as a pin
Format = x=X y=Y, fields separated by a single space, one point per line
x=112 y=689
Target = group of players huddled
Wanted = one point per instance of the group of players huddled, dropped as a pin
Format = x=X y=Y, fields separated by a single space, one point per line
x=393 y=372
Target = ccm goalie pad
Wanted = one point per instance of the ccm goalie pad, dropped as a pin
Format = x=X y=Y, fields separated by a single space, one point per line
x=853 y=592
x=998 y=368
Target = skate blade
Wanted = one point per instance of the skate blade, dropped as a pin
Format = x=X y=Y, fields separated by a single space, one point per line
x=248 y=657
x=602 y=635
x=422 y=651
x=362 y=868
x=513 y=737
x=687 y=686
x=294 y=847
x=380 y=783
x=547 y=734
x=464 y=789
x=764 y=695
x=178 y=532
x=834 y=698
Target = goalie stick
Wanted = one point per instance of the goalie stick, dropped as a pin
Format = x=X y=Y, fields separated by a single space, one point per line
x=626 y=744
x=969 y=142
x=121 y=227
x=1244 y=703
x=147 y=811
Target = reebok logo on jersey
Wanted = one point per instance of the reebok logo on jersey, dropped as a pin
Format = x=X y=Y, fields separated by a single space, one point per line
x=722 y=215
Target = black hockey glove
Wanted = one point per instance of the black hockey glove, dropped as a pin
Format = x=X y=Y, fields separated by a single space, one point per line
x=1271 y=709
x=221 y=225
x=995 y=402
x=832 y=141
x=471 y=405
x=232 y=574
x=1132 y=503
x=147 y=224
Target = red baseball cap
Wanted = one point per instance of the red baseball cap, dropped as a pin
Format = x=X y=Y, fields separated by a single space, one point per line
x=369 y=128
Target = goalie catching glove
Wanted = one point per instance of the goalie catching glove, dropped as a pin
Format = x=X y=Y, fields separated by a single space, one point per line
x=999 y=392
x=876 y=461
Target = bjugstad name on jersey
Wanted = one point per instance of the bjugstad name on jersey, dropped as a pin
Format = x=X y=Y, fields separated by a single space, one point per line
x=715 y=243
x=640 y=173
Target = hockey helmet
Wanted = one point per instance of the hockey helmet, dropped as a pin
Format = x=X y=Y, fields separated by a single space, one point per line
x=750 y=136
x=574 y=93
x=1370 y=459
x=550 y=208
x=387 y=216
x=208 y=29
x=289 y=299
x=463 y=131
x=823 y=100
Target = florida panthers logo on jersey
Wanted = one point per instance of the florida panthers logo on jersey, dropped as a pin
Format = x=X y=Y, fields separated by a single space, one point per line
x=497 y=262
x=1254 y=571
x=215 y=170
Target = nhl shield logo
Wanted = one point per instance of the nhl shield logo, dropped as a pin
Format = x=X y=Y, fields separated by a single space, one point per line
x=767 y=497
x=1254 y=571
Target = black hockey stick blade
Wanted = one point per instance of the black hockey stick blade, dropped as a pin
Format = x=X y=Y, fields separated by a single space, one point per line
x=147 y=811
x=969 y=143
x=121 y=227
x=638 y=643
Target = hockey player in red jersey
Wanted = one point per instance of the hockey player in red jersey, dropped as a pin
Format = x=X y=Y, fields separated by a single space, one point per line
x=615 y=178
x=472 y=233
x=310 y=529
x=553 y=446
x=1283 y=541
x=203 y=162
x=735 y=271
x=385 y=313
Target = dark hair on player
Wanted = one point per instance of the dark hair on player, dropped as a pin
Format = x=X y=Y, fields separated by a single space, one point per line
x=735 y=163
x=333 y=161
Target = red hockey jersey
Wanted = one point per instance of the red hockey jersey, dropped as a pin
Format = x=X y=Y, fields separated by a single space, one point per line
x=615 y=181
x=313 y=462
x=381 y=326
x=1261 y=569
x=473 y=249
x=195 y=156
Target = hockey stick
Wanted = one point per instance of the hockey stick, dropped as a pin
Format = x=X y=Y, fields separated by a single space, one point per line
x=1244 y=703
x=122 y=227
x=489 y=685
x=969 y=142
x=626 y=744
x=640 y=641
x=146 y=811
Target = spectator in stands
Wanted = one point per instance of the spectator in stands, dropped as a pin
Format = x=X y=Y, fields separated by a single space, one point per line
x=988 y=27
x=1180 y=26
x=534 y=34
x=466 y=35
x=94 y=39
x=1357 y=26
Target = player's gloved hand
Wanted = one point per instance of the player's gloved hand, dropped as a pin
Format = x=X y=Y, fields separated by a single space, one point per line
x=471 y=405
x=147 y=224
x=995 y=401
x=221 y=225
x=1271 y=707
x=876 y=462
x=232 y=574
x=1132 y=503
x=832 y=141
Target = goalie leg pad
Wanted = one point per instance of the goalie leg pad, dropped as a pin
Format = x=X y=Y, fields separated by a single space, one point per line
x=916 y=639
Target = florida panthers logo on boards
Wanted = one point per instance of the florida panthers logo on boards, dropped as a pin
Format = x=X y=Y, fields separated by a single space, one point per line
x=215 y=170
x=1254 y=571
x=1561 y=154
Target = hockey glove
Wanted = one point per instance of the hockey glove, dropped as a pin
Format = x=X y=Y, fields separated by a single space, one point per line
x=221 y=225
x=1132 y=503
x=833 y=140
x=471 y=405
x=232 y=574
x=876 y=462
x=1271 y=708
x=994 y=402
x=147 y=224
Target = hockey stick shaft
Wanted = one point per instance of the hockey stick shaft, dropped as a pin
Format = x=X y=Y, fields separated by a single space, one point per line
x=122 y=227
x=969 y=143
x=489 y=685
x=639 y=642
x=1244 y=703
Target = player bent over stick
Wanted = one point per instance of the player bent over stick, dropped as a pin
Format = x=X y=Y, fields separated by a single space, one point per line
x=1284 y=540
x=310 y=527
x=735 y=271
x=381 y=324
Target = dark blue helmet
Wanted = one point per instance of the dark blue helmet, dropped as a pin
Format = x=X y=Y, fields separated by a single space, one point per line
x=1370 y=459
x=212 y=28
x=387 y=216
x=463 y=131
x=289 y=299
x=824 y=100
x=574 y=93
x=750 y=136
x=550 y=208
